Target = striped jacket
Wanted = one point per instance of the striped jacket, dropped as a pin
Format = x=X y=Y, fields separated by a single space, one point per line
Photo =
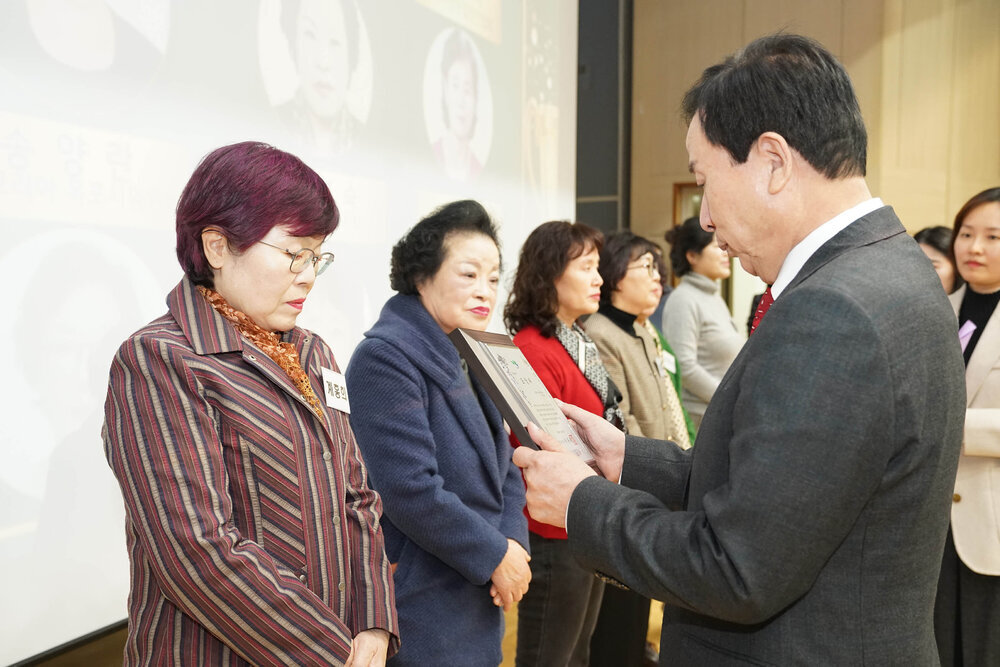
x=253 y=535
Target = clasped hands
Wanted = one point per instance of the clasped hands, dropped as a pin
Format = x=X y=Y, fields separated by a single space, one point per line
x=510 y=578
x=552 y=473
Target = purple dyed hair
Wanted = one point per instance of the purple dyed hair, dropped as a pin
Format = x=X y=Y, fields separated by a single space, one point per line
x=244 y=190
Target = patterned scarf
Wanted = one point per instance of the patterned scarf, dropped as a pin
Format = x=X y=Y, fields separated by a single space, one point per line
x=268 y=342
x=593 y=370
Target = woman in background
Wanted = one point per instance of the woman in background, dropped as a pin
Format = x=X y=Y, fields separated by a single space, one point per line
x=696 y=320
x=436 y=446
x=936 y=244
x=967 y=610
x=630 y=351
x=667 y=356
x=251 y=530
x=628 y=347
x=557 y=282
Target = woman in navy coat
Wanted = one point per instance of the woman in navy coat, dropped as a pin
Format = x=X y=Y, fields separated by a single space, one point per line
x=436 y=448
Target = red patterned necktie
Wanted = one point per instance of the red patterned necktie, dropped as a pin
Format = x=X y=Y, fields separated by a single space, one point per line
x=762 y=306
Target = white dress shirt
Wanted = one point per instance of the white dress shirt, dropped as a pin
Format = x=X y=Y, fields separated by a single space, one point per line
x=807 y=247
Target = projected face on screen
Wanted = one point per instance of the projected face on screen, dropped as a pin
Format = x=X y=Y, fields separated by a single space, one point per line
x=316 y=65
x=322 y=53
x=460 y=95
x=458 y=104
x=72 y=45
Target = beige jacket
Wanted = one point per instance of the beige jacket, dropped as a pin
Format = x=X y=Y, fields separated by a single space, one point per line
x=630 y=361
x=975 y=509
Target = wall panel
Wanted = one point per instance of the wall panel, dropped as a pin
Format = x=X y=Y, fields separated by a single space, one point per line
x=673 y=43
x=974 y=146
x=927 y=74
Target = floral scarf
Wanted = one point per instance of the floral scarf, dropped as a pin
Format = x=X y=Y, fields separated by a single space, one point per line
x=268 y=342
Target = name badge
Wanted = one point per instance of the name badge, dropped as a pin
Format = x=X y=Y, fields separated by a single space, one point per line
x=336 y=390
x=669 y=362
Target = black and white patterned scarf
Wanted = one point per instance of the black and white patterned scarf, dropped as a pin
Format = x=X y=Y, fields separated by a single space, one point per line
x=575 y=340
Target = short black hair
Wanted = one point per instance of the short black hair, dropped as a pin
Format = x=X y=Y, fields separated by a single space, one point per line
x=419 y=254
x=684 y=238
x=788 y=84
x=940 y=238
x=620 y=249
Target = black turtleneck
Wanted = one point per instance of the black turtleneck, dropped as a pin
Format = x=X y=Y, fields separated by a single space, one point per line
x=979 y=309
x=619 y=317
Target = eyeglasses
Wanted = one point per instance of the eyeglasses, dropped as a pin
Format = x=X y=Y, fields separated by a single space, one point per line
x=302 y=259
x=650 y=267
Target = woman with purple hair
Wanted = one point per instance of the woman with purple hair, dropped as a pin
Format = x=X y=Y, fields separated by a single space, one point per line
x=252 y=533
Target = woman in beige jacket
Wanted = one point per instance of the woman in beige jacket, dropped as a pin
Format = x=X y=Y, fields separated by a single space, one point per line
x=631 y=351
x=967 y=612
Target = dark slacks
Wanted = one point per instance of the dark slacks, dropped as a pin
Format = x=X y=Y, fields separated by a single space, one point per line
x=556 y=616
x=966 y=613
x=619 y=639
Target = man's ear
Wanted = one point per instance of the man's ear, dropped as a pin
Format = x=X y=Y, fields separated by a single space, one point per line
x=772 y=148
x=216 y=247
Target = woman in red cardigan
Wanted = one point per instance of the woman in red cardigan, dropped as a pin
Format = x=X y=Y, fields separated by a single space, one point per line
x=557 y=282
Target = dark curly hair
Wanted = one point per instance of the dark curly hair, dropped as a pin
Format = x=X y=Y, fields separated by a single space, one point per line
x=419 y=254
x=544 y=256
x=620 y=249
x=684 y=238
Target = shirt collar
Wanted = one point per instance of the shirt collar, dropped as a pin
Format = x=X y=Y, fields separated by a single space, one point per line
x=800 y=254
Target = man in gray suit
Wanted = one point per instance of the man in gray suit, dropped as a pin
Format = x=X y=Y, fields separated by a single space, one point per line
x=806 y=525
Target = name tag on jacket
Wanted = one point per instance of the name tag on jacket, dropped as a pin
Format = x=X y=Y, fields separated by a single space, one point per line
x=336 y=390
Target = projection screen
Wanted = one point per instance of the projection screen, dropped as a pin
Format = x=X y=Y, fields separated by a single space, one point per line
x=107 y=106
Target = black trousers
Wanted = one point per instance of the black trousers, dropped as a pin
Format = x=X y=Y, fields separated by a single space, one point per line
x=557 y=614
x=966 y=613
x=619 y=640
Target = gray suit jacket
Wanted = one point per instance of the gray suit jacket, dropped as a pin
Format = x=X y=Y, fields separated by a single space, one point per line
x=806 y=525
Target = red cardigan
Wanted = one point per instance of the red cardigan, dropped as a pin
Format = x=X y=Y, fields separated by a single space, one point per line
x=565 y=381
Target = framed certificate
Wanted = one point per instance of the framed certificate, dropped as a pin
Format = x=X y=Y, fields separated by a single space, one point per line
x=515 y=388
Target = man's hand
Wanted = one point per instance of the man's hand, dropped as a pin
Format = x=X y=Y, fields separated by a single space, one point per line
x=551 y=476
x=369 y=648
x=510 y=579
x=605 y=441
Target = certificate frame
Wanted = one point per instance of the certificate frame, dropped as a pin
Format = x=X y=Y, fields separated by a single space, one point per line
x=514 y=387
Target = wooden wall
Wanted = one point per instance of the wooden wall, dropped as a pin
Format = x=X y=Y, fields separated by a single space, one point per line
x=927 y=73
x=939 y=138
